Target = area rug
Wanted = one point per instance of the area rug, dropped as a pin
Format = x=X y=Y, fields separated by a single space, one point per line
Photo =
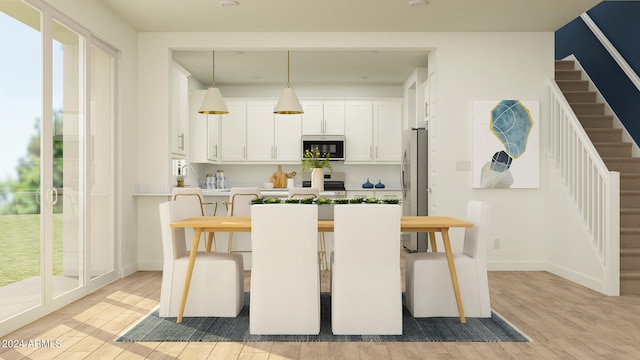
x=212 y=329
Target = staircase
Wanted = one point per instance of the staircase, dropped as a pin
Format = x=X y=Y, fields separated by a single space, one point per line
x=616 y=154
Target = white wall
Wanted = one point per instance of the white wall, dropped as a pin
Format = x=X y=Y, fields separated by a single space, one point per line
x=470 y=66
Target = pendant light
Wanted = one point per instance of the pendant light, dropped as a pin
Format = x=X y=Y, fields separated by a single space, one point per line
x=288 y=103
x=213 y=102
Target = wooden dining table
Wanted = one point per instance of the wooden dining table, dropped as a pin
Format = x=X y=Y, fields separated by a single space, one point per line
x=428 y=224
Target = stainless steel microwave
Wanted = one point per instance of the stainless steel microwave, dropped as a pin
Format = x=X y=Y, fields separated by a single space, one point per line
x=332 y=144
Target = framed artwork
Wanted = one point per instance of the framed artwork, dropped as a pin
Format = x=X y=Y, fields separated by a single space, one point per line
x=506 y=144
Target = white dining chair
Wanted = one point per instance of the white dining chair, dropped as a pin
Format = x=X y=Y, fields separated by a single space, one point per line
x=182 y=193
x=366 y=287
x=429 y=292
x=194 y=205
x=285 y=275
x=305 y=192
x=239 y=204
x=302 y=192
x=217 y=283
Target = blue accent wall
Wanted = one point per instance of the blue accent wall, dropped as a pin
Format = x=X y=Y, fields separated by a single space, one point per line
x=617 y=17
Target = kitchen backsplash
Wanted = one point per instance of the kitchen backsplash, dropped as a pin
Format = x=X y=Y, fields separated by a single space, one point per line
x=256 y=175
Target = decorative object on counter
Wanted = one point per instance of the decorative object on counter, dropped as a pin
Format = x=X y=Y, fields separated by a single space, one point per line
x=356 y=200
x=317 y=179
x=314 y=160
x=323 y=201
x=221 y=179
x=371 y=200
x=279 y=178
x=367 y=185
x=180 y=171
x=290 y=182
x=379 y=185
x=341 y=201
x=210 y=181
x=390 y=201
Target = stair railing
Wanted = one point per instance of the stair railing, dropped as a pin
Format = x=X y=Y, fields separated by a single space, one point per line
x=594 y=189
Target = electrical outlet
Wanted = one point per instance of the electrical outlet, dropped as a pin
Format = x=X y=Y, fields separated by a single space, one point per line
x=496 y=243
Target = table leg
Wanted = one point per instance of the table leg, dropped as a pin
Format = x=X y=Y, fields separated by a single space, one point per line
x=432 y=241
x=187 y=281
x=452 y=271
x=211 y=239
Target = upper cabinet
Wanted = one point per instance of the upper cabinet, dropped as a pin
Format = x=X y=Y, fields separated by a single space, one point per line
x=323 y=117
x=387 y=130
x=233 y=132
x=204 y=130
x=272 y=137
x=359 y=131
x=251 y=132
x=373 y=131
x=179 y=110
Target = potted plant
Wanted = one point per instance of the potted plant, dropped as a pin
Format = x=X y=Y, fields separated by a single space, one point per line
x=316 y=162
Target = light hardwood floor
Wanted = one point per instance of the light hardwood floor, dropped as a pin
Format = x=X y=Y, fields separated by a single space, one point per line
x=565 y=321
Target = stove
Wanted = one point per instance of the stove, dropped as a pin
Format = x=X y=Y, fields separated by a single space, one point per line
x=333 y=181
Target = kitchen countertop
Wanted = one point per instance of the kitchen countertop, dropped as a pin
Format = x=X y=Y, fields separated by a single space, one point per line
x=225 y=192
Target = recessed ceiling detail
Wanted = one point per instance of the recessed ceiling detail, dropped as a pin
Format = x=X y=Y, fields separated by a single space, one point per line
x=385 y=67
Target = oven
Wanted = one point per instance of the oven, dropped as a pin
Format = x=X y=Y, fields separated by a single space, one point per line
x=333 y=181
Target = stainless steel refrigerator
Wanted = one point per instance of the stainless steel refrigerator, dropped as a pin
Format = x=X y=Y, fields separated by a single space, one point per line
x=414 y=183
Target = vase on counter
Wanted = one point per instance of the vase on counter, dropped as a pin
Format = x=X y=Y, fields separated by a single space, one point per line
x=317 y=179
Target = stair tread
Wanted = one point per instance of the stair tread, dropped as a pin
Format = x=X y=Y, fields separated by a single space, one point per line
x=630 y=274
x=619 y=158
x=629 y=191
x=629 y=210
x=613 y=143
x=630 y=251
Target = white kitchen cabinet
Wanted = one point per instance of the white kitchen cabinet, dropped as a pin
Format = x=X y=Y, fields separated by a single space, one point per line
x=204 y=130
x=359 y=131
x=323 y=117
x=387 y=130
x=233 y=133
x=179 y=110
x=272 y=137
x=373 y=131
x=260 y=134
x=288 y=138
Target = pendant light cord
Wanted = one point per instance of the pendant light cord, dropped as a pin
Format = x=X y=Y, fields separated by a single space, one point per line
x=288 y=68
x=213 y=68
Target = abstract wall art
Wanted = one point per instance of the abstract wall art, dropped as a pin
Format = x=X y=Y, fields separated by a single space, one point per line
x=506 y=144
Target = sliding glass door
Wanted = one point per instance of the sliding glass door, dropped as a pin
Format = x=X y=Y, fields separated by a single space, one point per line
x=57 y=171
x=21 y=127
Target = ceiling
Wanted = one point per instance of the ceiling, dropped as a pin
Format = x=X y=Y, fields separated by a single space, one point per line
x=333 y=66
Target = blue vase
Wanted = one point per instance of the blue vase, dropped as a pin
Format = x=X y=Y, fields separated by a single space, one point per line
x=379 y=185
x=367 y=185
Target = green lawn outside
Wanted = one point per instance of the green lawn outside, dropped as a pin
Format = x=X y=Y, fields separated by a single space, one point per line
x=20 y=247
